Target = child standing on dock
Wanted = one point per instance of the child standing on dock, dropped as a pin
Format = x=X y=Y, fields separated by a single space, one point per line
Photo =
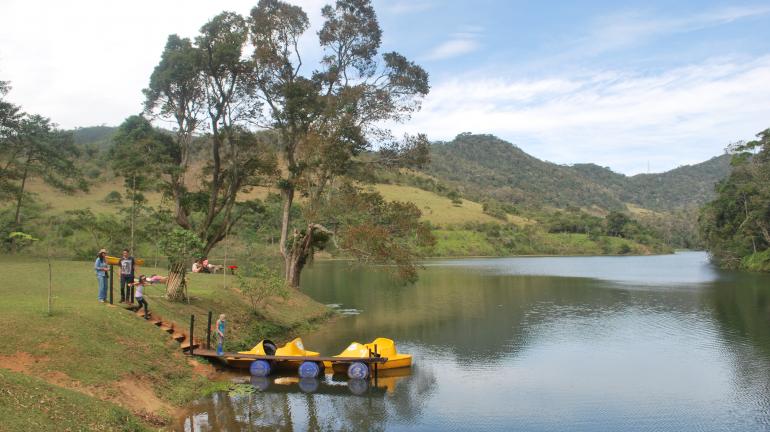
x=221 y=334
x=139 y=294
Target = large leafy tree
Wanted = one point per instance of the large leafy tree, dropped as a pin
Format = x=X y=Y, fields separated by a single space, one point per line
x=36 y=148
x=322 y=121
x=202 y=87
x=326 y=119
x=736 y=224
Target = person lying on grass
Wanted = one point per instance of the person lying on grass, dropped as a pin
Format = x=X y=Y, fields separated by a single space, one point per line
x=156 y=279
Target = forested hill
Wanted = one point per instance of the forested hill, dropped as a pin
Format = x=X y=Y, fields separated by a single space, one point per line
x=484 y=165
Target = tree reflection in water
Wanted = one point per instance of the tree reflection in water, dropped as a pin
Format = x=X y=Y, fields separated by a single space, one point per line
x=288 y=403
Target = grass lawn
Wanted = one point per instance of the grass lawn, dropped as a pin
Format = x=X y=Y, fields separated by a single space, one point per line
x=439 y=210
x=105 y=359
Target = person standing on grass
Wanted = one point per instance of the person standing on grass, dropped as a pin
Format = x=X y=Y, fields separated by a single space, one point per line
x=139 y=295
x=221 y=334
x=126 y=276
x=101 y=267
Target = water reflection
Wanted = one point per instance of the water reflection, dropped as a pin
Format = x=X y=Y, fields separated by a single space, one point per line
x=291 y=403
x=632 y=343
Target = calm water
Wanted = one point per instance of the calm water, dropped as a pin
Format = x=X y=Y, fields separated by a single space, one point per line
x=664 y=343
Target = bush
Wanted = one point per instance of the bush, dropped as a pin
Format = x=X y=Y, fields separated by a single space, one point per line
x=113 y=197
x=258 y=283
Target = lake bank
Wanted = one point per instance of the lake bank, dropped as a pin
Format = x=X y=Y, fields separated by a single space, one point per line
x=103 y=366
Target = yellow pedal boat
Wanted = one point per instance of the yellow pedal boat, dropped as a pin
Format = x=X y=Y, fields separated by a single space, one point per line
x=295 y=348
x=385 y=348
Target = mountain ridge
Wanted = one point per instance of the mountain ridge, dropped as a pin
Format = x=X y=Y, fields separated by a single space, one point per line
x=482 y=164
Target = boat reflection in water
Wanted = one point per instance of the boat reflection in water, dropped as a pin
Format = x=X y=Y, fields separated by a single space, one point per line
x=289 y=402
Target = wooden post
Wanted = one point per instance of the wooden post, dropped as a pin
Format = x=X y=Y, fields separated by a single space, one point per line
x=208 y=333
x=376 y=365
x=224 y=264
x=112 y=281
x=192 y=328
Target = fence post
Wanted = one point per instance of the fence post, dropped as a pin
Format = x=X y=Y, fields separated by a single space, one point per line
x=192 y=328
x=208 y=333
x=376 y=365
x=112 y=281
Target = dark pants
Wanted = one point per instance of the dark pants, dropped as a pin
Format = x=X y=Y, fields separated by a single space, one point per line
x=125 y=290
x=142 y=302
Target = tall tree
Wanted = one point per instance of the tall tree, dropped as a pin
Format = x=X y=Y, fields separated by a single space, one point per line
x=139 y=151
x=203 y=89
x=327 y=119
x=37 y=148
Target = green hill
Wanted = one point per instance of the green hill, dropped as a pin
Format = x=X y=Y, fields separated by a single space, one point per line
x=484 y=165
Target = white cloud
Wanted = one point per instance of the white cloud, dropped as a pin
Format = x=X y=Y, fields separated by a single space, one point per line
x=618 y=118
x=460 y=43
x=85 y=62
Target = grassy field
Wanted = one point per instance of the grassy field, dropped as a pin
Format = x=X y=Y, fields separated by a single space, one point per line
x=100 y=363
x=59 y=202
x=439 y=210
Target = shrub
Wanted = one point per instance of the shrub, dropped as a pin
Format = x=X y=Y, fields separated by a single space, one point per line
x=113 y=197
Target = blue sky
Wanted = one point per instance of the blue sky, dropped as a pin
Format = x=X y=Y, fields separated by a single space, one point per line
x=622 y=85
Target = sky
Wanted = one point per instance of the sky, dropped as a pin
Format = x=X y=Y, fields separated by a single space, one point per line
x=634 y=86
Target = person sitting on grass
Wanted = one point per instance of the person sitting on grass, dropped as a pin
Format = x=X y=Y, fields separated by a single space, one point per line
x=139 y=294
x=199 y=267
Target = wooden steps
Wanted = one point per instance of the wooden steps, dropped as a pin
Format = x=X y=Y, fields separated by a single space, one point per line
x=186 y=345
x=169 y=327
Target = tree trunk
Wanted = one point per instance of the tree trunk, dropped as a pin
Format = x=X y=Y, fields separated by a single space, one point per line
x=133 y=209
x=288 y=197
x=176 y=286
x=17 y=217
x=293 y=274
x=298 y=256
x=50 y=283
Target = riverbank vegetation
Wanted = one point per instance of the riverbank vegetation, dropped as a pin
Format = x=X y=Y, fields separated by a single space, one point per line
x=736 y=225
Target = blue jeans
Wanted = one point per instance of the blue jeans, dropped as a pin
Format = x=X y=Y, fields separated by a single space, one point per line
x=102 y=287
x=220 y=346
x=125 y=290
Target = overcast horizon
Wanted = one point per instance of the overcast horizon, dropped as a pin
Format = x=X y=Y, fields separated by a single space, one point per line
x=619 y=86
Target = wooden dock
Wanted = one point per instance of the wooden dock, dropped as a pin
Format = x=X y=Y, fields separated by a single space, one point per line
x=228 y=356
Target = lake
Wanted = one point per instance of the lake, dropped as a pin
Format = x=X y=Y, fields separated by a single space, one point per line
x=665 y=343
